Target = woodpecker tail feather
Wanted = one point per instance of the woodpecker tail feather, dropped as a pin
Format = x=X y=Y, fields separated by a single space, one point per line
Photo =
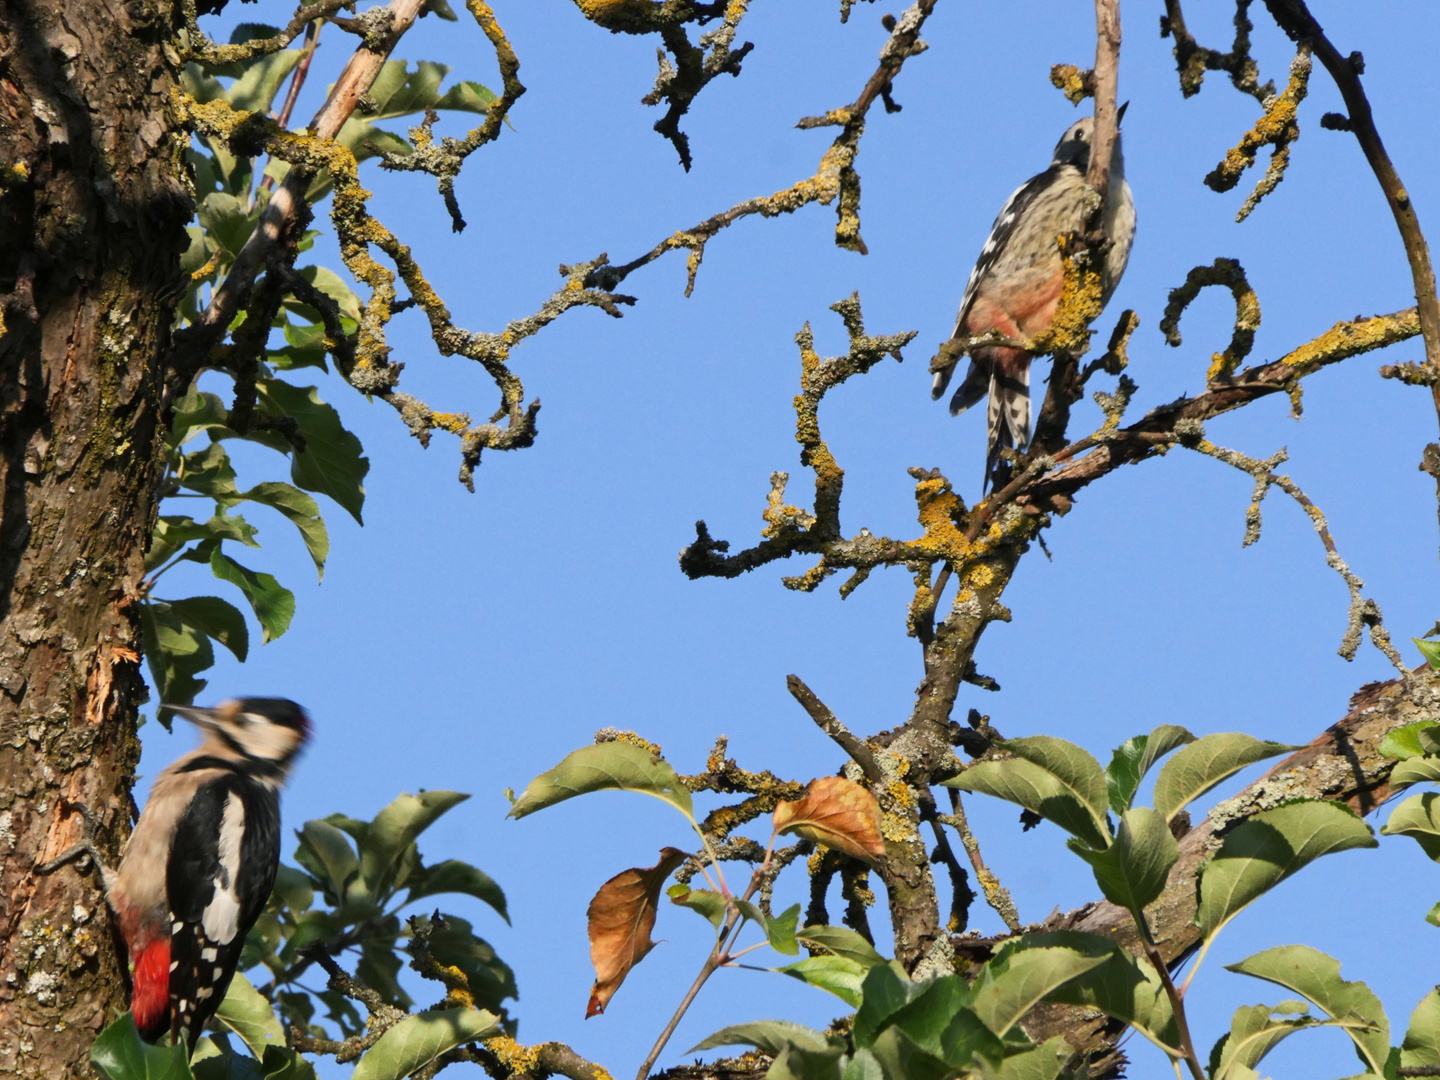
x=1007 y=417
x=975 y=386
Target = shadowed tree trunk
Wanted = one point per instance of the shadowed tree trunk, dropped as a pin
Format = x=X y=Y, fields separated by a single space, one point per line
x=93 y=202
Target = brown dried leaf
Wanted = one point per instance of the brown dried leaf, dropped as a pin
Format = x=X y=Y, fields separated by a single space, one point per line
x=838 y=813
x=621 y=918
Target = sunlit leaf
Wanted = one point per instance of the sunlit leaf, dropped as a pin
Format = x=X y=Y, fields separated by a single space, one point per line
x=250 y=1016
x=1044 y=1062
x=838 y=813
x=332 y=462
x=394 y=829
x=119 y=1054
x=1419 y=818
x=175 y=654
x=1404 y=742
x=607 y=766
x=420 y=1039
x=1037 y=790
x=273 y=604
x=1264 y=850
x=1016 y=980
x=454 y=876
x=1415 y=770
x=1133 y=759
x=837 y=974
x=708 y=903
x=217 y=619
x=1206 y=762
x=332 y=859
x=301 y=511
x=771 y=1036
x=256 y=89
x=1316 y=977
x=1132 y=871
x=1430 y=650
x=780 y=931
x=1072 y=766
x=841 y=941
x=621 y=916
x=1422 y=1041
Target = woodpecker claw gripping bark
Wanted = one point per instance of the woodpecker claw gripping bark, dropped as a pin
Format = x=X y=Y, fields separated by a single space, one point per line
x=1015 y=286
x=201 y=862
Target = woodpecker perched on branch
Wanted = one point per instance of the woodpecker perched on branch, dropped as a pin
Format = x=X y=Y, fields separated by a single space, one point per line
x=199 y=866
x=1015 y=286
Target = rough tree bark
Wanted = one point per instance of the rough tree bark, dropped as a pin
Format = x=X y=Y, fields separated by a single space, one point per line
x=93 y=203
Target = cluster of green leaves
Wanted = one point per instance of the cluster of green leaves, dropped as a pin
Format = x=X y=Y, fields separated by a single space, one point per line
x=287 y=417
x=363 y=875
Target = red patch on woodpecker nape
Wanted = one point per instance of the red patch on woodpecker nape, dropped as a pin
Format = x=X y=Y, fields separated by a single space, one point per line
x=150 y=1001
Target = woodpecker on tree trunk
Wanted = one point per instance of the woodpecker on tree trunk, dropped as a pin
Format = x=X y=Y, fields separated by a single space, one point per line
x=199 y=866
x=1014 y=288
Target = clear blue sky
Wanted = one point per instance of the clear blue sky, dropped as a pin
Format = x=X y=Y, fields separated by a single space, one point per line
x=469 y=641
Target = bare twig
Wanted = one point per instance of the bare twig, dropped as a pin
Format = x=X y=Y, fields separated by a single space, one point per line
x=830 y=724
x=996 y=895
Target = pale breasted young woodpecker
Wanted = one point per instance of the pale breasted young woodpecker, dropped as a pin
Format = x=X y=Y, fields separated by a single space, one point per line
x=1015 y=286
x=198 y=868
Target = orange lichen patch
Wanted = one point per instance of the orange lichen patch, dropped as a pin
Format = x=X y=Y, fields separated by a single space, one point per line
x=519 y=1060
x=452 y=422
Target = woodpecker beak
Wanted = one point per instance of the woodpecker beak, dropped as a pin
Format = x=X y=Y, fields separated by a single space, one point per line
x=204 y=718
x=1120 y=113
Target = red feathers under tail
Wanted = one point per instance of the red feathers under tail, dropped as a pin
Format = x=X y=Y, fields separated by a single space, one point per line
x=150 y=1001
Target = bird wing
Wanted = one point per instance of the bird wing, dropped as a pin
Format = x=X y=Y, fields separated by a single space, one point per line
x=1000 y=234
x=221 y=869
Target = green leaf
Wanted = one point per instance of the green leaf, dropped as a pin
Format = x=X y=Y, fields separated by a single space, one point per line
x=928 y=1015
x=1254 y=1032
x=1206 y=762
x=886 y=990
x=210 y=473
x=1017 y=979
x=395 y=829
x=333 y=286
x=119 y=1054
x=1418 y=817
x=330 y=856
x=302 y=511
x=211 y=1063
x=1415 y=770
x=771 y=1036
x=1430 y=650
x=1041 y=792
x=1133 y=759
x=1133 y=870
x=250 y=1016
x=1422 y=1041
x=1404 y=742
x=837 y=974
x=1075 y=768
x=467 y=97
x=454 y=876
x=332 y=462
x=841 y=941
x=1123 y=986
x=1263 y=851
x=490 y=978
x=1316 y=977
x=797 y=1063
x=281 y=1063
x=256 y=89
x=901 y=1058
x=780 y=931
x=420 y=1039
x=175 y=654
x=1044 y=1062
x=196 y=412
x=225 y=221
x=217 y=619
x=273 y=604
x=608 y=766
x=710 y=904
x=1433 y=915
x=414 y=92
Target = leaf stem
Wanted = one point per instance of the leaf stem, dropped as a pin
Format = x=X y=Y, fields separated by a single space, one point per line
x=719 y=956
x=1177 y=999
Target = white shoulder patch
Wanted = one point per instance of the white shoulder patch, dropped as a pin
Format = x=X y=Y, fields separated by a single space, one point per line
x=221 y=919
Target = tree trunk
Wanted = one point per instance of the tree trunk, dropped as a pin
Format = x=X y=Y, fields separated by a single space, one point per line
x=93 y=203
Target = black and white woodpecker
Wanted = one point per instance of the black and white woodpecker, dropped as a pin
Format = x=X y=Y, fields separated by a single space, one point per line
x=199 y=866
x=1015 y=286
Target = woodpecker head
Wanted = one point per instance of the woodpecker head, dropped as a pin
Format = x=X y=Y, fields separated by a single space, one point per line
x=1074 y=146
x=264 y=733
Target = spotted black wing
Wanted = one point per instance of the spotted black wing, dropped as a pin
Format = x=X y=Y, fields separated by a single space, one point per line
x=221 y=869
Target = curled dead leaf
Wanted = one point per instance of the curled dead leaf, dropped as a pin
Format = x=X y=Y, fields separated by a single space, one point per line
x=838 y=813
x=621 y=916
